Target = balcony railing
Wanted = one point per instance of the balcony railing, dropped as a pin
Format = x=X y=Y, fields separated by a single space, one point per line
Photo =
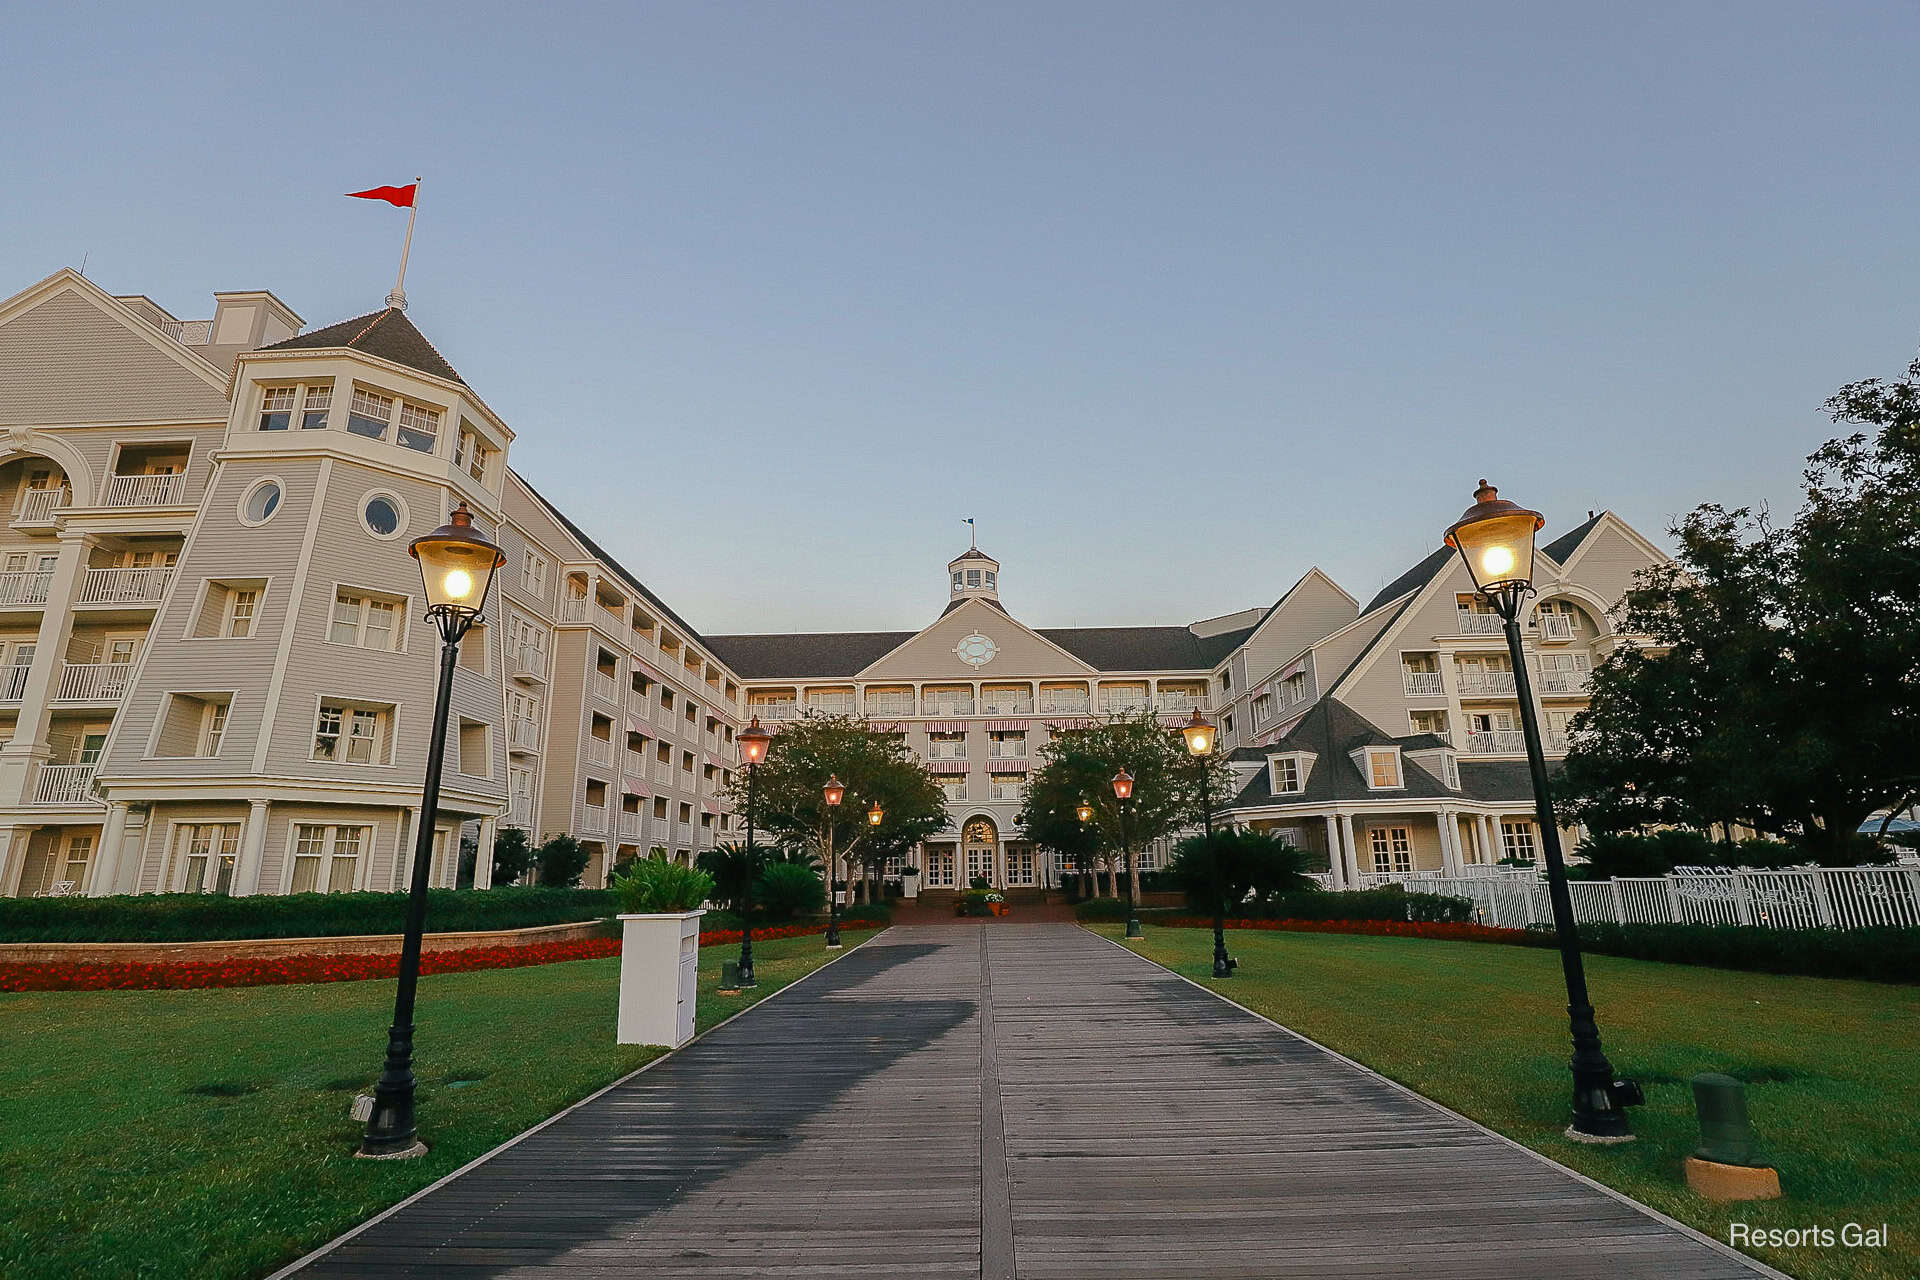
x=662 y=771
x=774 y=710
x=946 y=751
x=1006 y=751
x=1556 y=742
x=1479 y=624
x=946 y=706
x=93 y=681
x=1565 y=681
x=1005 y=790
x=1051 y=705
x=1180 y=703
x=1111 y=704
x=630 y=826
x=13 y=682
x=25 y=587
x=1486 y=682
x=520 y=813
x=146 y=491
x=831 y=706
x=1006 y=705
x=523 y=735
x=878 y=704
x=573 y=609
x=1556 y=626
x=605 y=688
x=637 y=705
x=599 y=750
x=1422 y=684
x=1494 y=742
x=64 y=784
x=122 y=586
x=40 y=504
x=593 y=818
x=530 y=661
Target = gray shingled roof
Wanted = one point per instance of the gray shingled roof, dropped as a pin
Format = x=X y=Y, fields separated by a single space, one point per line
x=1412 y=580
x=1563 y=546
x=387 y=334
x=841 y=655
x=1145 y=648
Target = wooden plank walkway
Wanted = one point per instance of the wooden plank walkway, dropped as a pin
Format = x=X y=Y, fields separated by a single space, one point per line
x=996 y=1099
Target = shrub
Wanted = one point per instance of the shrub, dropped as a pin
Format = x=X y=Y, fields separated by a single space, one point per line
x=789 y=889
x=980 y=883
x=655 y=886
x=192 y=917
x=512 y=855
x=1253 y=866
x=1371 y=904
x=877 y=912
x=1657 y=853
x=561 y=861
x=1884 y=954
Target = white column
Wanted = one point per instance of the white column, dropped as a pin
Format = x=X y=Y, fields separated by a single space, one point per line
x=106 y=858
x=1336 y=862
x=13 y=861
x=20 y=758
x=253 y=848
x=483 y=858
x=403 y=856
x=1353 y=850
x=1490 y=835
x=1449 y=843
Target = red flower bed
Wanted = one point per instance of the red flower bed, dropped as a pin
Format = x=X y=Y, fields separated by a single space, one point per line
x=274 y=970
x=1379 y=928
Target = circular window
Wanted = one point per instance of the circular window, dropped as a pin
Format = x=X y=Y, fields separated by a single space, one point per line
x=976 y=650
x=384 y=515
x=260 y=502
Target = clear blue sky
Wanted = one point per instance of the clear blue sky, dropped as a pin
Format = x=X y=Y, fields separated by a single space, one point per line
x=1177 y=299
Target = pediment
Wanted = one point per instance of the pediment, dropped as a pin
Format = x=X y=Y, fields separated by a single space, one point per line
x=1012 y=650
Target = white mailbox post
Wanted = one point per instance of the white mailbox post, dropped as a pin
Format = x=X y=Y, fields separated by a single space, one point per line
x=659 y=976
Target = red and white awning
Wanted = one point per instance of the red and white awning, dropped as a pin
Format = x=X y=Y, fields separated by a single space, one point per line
x=947 y=766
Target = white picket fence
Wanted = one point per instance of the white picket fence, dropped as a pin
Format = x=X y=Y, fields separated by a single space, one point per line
x=1810 y=898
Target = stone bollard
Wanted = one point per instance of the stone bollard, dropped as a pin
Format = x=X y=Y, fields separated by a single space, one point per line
x=1729 y=1163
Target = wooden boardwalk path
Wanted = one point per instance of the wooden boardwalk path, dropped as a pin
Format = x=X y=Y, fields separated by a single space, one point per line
x=995 y=1099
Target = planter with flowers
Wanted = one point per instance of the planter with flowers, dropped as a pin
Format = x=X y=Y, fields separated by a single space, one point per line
x=659 y=950
x=980 y=902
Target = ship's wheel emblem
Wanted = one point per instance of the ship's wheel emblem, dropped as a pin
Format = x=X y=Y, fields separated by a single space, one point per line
x=976 y=650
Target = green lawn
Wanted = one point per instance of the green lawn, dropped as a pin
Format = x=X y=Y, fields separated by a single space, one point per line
x=1829 y=1065
x=205 y=1133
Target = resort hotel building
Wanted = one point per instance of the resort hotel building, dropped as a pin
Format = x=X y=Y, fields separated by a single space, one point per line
x=214 y=676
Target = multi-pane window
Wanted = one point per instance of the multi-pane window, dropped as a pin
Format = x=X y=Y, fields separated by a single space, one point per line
x=314 y=407
x=1383 y=769
x=954 y=786
x=1516 y=836
x=276 y=408
x=419 y=427
x=1296 y=686
x=369 y=413
x=213 y=730
x=1434 y=722
x=208 y=851
x=1286 y=775
x=241 y=606
x=346 y=734
x=946 y=746
x=79 y=853
x=365 y=621
x=1007 y=745
x=1004 y=786
x=326 y=859
x=1392 y=848
x=533 y=573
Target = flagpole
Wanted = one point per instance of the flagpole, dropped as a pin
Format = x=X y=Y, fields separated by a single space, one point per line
x=398 y=298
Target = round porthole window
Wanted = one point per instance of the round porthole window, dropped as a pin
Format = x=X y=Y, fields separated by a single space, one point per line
x=260 y=502
x=384 y=515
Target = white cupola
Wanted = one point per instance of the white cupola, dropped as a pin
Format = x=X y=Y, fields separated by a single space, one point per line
x=974 y=575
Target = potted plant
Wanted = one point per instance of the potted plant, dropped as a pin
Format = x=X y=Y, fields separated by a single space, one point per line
x=659 y=949
x=909 y=881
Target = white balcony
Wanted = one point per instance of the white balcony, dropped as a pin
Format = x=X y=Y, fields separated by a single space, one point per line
x=947 y=751
x=38 y=505
x=599 y=750
x=841 y=706
x=520 y=813
x=530 y=662
x=662 y=771
x=630 y=826
x=573 y=609
x=612 y=621
x=93 y=681
x=1566 y=681
x=1495 y=742
x=1056 y=705
x=1422 y=684
x=146 y=491
x=120 y=586
x=523 y=735
x=13 y=682
x=1123 y=704
x=683 y=833
x=64 y=784
x=1486 y=683
x=637 y=705
x=1556 y=743
x=774 y=710
x=593 y=818
x=1006 y=705
x=1556 y=626
x=25 y=587
x=946 y=706
x=889 y=704
x=606 y=688
x=1007 y=751
x=1180 y=703
x=1005 y=790
x=1479 y=624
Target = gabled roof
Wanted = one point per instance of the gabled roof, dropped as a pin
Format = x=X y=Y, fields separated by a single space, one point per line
x=1563 y=546
x=387 y=334
x=1412 y=580
x=972 y=553
x=955 y=604
x=1145 y=648
x=836 y=655
x=1331 y=730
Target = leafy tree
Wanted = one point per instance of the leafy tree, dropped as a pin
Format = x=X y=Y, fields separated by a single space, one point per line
x=789 y=793
x=789 y=889
x=560 y=861
x=1245 y=866
x=512 y=855
x=1779 y=687
x=1080 y=765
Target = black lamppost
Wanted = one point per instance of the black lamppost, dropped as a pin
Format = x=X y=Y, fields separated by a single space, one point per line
x=835 y=791
x=456 y=566
x=875 y=816
x=1199 y=733
x=753 y=742
x=1123 y=792
x=1088 y=881
x=1495 y=539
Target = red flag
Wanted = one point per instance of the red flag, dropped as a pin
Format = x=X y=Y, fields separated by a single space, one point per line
x=401 y=197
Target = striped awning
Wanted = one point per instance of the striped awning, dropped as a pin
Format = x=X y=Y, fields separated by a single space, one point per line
x=886 y=726
x=1018 y=765
x=710 y=807
x=1070 y=724
x=1007 y=726
x=947 y=766
x=947 y=726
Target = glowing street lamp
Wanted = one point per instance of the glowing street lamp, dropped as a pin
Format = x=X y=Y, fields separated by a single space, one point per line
x=456 y=570
x=1200 y=734
x=754 y=742
x=1495 y=540
x=834 y=792
x=1123 y=792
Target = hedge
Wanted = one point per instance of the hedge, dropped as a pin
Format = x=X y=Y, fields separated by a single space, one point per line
x=194 y=917
x=1391 y=903
x=1882 y=954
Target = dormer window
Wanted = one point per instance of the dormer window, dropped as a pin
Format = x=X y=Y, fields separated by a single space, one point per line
x=1287 y=775
x=276 y=408
x=471 y=452
x=369 y=414
x=1383 y=768
x=314 y=408
x=419 y=427
x=307 y=402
